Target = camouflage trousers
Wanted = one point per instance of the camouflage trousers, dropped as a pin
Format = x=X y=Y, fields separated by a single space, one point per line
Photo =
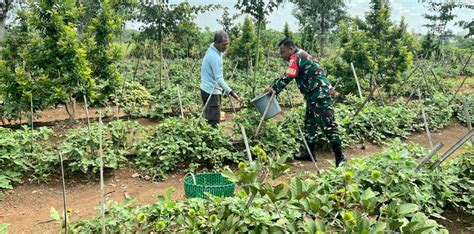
x=320 y=115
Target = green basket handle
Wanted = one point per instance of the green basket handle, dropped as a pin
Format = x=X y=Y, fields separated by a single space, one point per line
x=192 y=174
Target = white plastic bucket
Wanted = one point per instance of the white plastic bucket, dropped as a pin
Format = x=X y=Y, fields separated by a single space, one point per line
x=261 y=102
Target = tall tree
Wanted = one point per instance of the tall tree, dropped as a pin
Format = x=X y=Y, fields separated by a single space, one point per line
x=228 y=25
x=243 y=48
x=441 y=13
x=287 y=32
x=377 y=46
x=160 y=20
x=318 y=17
x=5 y=6
x=259 y=10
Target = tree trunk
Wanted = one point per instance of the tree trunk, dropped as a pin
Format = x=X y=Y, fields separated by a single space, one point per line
x=70 y=109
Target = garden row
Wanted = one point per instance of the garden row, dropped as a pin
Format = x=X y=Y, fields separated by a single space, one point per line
x=186 y=144
x=376 y=194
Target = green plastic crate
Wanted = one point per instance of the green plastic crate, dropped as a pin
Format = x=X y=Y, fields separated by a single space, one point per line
x=213 y=183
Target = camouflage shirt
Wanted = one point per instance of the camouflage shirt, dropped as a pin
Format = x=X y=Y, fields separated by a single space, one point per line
x=307 y=72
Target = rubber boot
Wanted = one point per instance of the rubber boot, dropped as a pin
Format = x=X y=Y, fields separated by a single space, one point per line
x=304 y=155
x=337 y=149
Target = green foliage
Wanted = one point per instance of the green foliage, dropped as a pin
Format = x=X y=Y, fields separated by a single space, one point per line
x=80 y=147
x=20 y=152
x=4 y=227
x=441 y=14
x=227 y=22
x=177 y=142
x=81 y=35
x=401 y=199
x=135 y=99
x=101 y=52
x=459 y=109
x=162 y=19
x=462 y=169
x=287 y=32
x=429 y=46
x=243 y=49
x=377 y=47
x=317 y=18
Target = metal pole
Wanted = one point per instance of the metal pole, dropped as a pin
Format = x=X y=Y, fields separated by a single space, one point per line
x=424 y=118
x=357 y=80
x=264 y=113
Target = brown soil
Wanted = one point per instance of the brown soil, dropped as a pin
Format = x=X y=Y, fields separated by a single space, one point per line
x=26 y=208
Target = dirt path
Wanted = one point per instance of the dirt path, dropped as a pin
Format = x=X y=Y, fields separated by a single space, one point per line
x=26 y=208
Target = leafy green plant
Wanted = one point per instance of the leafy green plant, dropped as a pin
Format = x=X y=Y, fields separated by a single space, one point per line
x=80 y=149
x=21 y=152
x=338 y=200
x=272 y=133
x=177 y=141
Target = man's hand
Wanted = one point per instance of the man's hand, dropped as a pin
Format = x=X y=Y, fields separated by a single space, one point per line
x=269 y=90
x=333 y=92
x=234 y=95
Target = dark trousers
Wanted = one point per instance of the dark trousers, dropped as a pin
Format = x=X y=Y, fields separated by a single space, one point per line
x=212 y=111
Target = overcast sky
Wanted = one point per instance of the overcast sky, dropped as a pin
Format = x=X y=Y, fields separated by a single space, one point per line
x=412 y=10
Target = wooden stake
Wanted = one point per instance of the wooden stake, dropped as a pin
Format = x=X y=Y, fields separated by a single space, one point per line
x=64 y=191
x=357 y=81
x=468 y=117
x=424 y=118
x=429 y=155
x=180 y=102
x=87 y=114
x=31 y=121
x=101 y=161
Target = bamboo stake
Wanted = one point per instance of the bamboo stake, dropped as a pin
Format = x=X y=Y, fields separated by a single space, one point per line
x=64 y=191
x=180 y=102
x=429 y=155
x=468 y=117
x=357 y=80
x=31 y=121
x=102 y=198
x=244 y=134
x=87 y=114
x=428 y=134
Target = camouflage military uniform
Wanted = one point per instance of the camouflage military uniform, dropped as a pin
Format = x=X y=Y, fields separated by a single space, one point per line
x=315 y=88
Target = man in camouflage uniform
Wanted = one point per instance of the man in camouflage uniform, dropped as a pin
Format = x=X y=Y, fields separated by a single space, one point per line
x=317 y=92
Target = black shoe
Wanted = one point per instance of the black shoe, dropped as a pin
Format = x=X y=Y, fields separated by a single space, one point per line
x=339 y=161
x=337 y=149
x=304 y=155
